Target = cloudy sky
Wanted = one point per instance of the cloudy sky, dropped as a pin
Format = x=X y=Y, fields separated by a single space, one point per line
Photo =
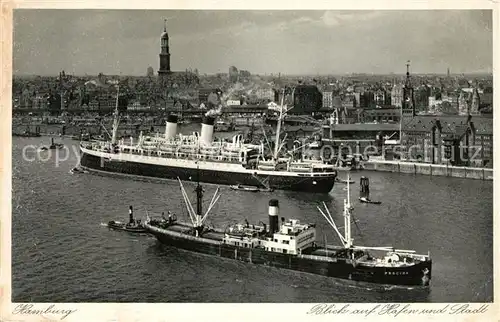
x=291 y=42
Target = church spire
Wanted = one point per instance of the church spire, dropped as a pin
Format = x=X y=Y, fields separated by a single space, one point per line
x=164 y=51
x=408 y=82
x=408 y=98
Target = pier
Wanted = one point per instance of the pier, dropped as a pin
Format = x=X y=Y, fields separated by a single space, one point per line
x=429 y=169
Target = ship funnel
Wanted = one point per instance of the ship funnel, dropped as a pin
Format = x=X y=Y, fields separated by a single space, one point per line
x=364 y=191
x=207 y=130
x=274 y=210
x=171 y=128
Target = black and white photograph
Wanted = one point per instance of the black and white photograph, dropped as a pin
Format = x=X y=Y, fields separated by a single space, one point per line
x=252 y=156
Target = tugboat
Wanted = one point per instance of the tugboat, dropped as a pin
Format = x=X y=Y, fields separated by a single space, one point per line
x=133 y=226
x=364 y=193
x=293 y=246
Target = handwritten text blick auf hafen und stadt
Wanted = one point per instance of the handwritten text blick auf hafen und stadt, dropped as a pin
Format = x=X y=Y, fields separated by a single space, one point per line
x=397 y=309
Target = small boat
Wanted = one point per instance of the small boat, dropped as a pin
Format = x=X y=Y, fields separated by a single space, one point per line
x=77 y=170
x=337 y=179
x=365 y=200
x=133 y=225
x=245 y=188
x=27 y=134
x=54 y=146
x=136 y=227
x=364 y=193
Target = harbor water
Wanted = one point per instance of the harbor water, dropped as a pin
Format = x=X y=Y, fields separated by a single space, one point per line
x=61 y=252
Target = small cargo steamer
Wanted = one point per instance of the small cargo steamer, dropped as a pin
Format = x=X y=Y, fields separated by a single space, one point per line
x=292 y=245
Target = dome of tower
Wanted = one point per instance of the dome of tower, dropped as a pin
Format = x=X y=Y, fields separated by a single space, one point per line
x=164 y=35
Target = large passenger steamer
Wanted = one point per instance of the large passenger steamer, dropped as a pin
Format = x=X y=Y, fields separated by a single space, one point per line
x=173 y=155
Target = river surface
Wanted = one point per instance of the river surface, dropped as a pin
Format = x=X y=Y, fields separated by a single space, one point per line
x=62 y=253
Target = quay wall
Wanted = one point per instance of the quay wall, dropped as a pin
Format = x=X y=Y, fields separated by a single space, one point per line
x=429 y=169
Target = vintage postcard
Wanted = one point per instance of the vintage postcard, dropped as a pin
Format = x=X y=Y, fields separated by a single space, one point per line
x=227 y=161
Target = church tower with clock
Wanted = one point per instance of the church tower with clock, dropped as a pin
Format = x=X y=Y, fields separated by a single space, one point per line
x=164 y=53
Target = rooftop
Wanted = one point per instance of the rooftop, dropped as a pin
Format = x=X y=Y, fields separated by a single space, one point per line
x=451 y=124
x=366 y=127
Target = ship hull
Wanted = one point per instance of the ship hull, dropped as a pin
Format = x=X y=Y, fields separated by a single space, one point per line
x=323 y=184
x=341 y=268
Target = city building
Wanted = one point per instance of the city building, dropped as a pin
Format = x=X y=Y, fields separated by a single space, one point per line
x=348 y=115
x=233 y=102
x=422 y=95
x=306 y=99
x=397 y=95
x=464 y=103
x=358 y=131
x=348 y=102
x=475 y=102
x=328 y=94
x=93 y=104
x=454 y=140
x=327 y=99
x=357 y=99
x=337 y=101
x=203 y=94
x=379 y=98
x=486 y=98
x=150 y=72
x=134 y=106
x=264 y=94
x=233 y=74
x=367 y=99
x=380 y=115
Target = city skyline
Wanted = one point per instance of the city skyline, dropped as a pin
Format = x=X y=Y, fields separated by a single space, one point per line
x=127 y=42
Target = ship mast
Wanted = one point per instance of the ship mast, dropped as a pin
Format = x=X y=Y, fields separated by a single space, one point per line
x=116 y=119
x=197 y=217
x=347 y=216
x=199 y=193
x=278 y=128
x=345 y=239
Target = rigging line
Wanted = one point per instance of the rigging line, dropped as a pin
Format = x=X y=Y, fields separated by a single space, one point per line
x=265 y=137
x=361 y=236
x=189 y=208
x=342 y=238
x=187 y=202
x=209 y=209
